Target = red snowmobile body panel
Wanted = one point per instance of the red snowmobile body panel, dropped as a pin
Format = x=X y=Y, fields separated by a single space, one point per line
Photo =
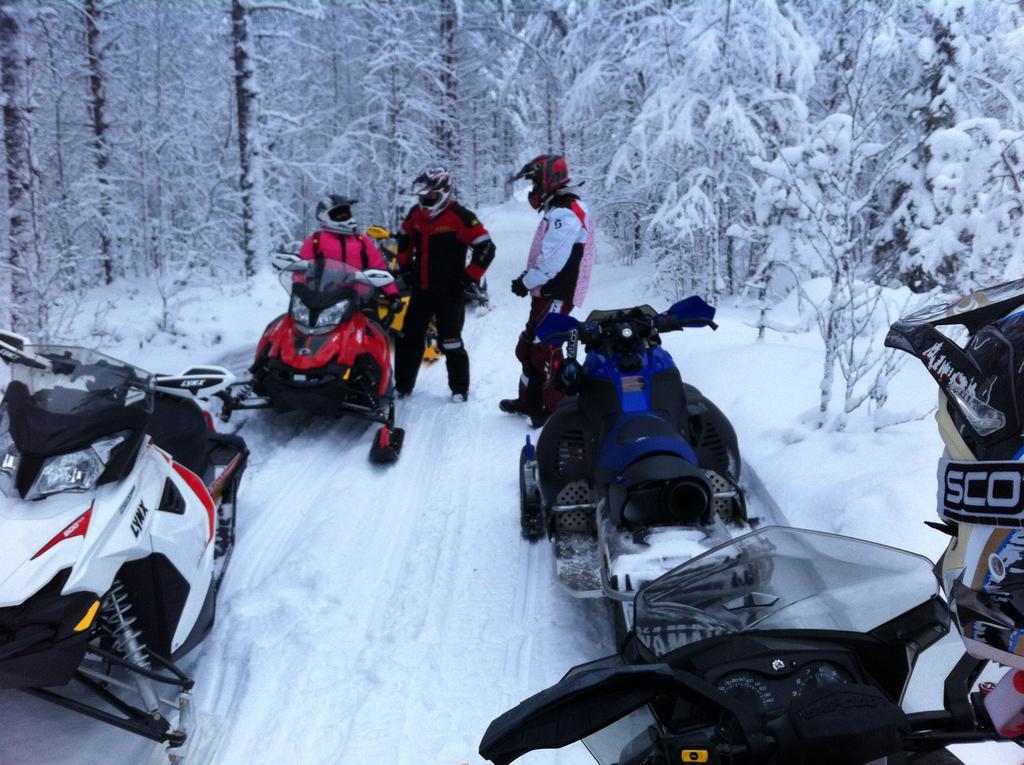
x=346 y=369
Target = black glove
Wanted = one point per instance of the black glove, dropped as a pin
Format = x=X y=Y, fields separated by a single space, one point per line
x=518 y=288
x=407 y=277
x=395 y=304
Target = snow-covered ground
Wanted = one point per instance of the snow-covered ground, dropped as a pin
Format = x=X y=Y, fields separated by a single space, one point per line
x=386 y=615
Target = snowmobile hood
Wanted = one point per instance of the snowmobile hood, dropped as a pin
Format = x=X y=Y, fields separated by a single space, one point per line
x=342 y=345
x=38 y=540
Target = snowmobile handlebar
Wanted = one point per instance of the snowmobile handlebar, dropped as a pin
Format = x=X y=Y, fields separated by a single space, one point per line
x=664 y=322
x=629 y=329
x=843 y=724
x=624 y=331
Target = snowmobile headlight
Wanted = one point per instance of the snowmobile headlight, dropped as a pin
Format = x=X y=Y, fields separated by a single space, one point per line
x=333 y=315
x=10 y=457
x=77 y=471
x=300 y=313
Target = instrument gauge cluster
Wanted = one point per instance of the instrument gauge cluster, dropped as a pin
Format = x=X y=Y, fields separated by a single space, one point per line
x=749 y=688
x=819 y=674
x=772 y=687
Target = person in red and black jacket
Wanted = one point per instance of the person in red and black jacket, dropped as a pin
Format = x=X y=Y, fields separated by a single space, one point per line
x=432 y=244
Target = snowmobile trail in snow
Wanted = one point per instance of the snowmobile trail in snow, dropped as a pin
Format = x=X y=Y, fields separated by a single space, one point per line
x=394 y=610
x=377 y=614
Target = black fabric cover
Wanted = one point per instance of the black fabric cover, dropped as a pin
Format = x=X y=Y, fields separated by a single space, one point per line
x=178 y=427
x=41 y=433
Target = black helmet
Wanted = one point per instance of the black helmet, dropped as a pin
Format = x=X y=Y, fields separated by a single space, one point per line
x=981 y=474
x=334 y=212
x=983 y=380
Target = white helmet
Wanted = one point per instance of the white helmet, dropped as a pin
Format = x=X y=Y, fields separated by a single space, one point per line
x=334 y=213
x=434 y=187
x=981 y=473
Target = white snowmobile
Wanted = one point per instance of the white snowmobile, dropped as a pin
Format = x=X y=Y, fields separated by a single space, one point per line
x=117 y=516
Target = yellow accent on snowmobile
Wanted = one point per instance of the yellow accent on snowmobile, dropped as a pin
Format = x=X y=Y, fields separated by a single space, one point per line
x=694 y=755
x=86 y=621
x=431 y=353
x=399 y=319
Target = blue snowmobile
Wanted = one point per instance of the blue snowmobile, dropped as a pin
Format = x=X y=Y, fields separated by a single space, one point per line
x=636 y=471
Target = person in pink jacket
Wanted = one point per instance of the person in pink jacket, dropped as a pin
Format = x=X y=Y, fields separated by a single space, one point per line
x=340 y=239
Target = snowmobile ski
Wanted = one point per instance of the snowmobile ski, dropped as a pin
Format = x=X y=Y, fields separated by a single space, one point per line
x=531 y=508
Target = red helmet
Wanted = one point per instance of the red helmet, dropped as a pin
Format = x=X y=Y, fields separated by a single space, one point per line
x=549 y=173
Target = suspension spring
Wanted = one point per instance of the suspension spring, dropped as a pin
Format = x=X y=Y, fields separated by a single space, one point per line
x=119 y=622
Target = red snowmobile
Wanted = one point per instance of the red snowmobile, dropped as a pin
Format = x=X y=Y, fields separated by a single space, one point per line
x=329 y=354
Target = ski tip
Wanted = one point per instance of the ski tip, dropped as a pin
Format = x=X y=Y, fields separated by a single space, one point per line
x=387 y=445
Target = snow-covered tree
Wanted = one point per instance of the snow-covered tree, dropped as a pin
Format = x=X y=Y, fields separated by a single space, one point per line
x=699 y=88
x=21 y=226
x=943 y=53
x=95 y=16
x=255 y=239
x=976 y=181
x=815 y=204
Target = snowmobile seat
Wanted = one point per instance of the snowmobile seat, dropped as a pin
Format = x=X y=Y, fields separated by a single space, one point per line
x=178 y=427
x=562 y=451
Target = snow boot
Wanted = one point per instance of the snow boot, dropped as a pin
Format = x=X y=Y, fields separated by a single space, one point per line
x=512 y=406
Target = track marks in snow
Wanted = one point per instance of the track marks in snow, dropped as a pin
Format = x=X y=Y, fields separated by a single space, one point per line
x=374 y=614
x=390 y=613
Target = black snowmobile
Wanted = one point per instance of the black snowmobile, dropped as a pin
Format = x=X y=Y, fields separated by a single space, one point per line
x=782 y=647
x=639 y=471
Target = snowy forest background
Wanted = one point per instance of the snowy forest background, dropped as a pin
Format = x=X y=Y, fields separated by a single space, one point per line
x=727 y=146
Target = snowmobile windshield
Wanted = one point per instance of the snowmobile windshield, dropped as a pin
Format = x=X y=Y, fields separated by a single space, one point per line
x=74 y=417
x=322 y=283
x=781 y=579
x=82 y=382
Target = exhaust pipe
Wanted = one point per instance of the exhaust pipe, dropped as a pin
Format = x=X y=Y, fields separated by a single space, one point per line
x=660 y=490
x=685 y=501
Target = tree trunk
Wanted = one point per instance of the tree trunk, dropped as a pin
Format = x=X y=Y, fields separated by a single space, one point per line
x=254 y=234
x=447 y=133
x=831 y=338
x=100 y=147
x=18 y=170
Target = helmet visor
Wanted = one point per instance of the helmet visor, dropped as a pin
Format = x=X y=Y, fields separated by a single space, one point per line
x=340 y=214
x=1000 y=298
x=429 y=197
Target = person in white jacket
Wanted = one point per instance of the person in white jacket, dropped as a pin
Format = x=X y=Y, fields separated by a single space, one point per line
x=556 y=278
